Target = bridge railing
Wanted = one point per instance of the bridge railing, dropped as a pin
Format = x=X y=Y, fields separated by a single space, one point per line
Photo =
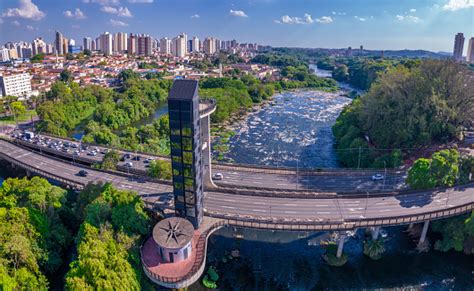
x=27 y=167
x=341 y=224
x=199 y=262
x=210 y=106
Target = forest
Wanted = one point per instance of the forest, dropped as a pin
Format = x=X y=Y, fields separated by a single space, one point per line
x=96 y=232
x=406 y=108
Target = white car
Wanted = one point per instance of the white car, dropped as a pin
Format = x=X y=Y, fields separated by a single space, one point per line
x=218 y=176
x=128 y=164
x=377 y=177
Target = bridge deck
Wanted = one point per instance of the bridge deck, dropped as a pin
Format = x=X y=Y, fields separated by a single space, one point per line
x=272 y=210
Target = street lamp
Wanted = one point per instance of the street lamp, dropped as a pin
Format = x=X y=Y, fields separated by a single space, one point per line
x=385 y=175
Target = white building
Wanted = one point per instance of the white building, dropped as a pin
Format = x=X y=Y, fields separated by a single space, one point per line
x=209 y=45
x=106 y=44
x=165 y=46
x=4 y=55
x=87 y=43
x=18 y=85
x=196 y=44
x=470 y=51
x=179 y=46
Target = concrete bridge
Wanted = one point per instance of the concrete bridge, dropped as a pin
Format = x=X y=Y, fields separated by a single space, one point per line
x=222 y=208
x=242 y=202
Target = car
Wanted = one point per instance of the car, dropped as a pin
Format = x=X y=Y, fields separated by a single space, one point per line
x=127 y=156
x=218 y=176
x=104 y=151
x=82 y=173
x=128 y=164
x=148 y=160
x=377 y=177
x=92 y=153
x=137 y=158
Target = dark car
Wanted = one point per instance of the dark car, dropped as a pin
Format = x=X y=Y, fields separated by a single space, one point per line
x=82 y=173
x=137 y=158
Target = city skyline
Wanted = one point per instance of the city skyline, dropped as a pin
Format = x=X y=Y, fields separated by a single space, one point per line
x=426 y=25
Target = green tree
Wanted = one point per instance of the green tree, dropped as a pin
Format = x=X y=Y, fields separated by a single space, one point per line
x=65 y=76
x=17 y=108
x=160 y=169
x=374 y=248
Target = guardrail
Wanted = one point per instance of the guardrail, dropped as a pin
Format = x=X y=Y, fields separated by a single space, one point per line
x=342 y=224
x=211 y=106
x=249 y=167
x=199 y=262
x=64 y=181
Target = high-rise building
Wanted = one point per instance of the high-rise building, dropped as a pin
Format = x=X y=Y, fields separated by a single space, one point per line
x=209 y=45
x=106 y=43
x=470 y=51
x=144 y=45
x=18 y=85
x=132 y=44
x=87 y=43
x=458 y=47
x=97 y=44
x=93 y=45
x=26 y=52
x=195 y=44
x=179 y=46
x=120 y=42
x=165 y=46
x=4 y=55
x=38 y=46
x=58 y=43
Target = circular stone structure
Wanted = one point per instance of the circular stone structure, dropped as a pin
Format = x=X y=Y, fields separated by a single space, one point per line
x=174 y=239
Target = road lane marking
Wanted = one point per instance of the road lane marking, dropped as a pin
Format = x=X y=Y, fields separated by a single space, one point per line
x=228 y=207
x=259 y=210
x=259 y=203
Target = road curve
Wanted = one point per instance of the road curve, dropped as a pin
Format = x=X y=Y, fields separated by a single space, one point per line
x=256 y=207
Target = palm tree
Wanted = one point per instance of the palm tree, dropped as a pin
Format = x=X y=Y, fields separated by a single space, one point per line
x=374 y=248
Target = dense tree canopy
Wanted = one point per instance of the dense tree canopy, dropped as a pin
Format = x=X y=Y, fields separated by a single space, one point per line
x=108 y=243
x=32 y=234
x=406 y=108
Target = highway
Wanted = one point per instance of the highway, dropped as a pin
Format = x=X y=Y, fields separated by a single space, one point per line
x=329 y=180
x=258 y=207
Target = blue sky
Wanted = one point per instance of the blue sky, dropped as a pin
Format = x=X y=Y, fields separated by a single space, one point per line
x=376 y=24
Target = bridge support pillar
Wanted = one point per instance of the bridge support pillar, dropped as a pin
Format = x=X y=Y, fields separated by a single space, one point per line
x=28 y=173
x=206 y=150
x=340 y=245
x=426 y=224
x=375 y=232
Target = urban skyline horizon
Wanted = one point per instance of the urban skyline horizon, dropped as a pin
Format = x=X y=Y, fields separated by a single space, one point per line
x=377 y=25
x=80 y=40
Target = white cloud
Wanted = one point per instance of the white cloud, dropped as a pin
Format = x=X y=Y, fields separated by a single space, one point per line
x=31 y=28
x=77 y=14
x=120 y=11
x=16 y=23
x=307 y=19
x=324 y=19
x=117 y=23
x=140 y=1
x=238 y=13
x=408 y=18
x=27 y=10
x=360 y=18
x=103 y=2
x=195 y=16
x=338 y=13
x=413 y=10
x=454 y=5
